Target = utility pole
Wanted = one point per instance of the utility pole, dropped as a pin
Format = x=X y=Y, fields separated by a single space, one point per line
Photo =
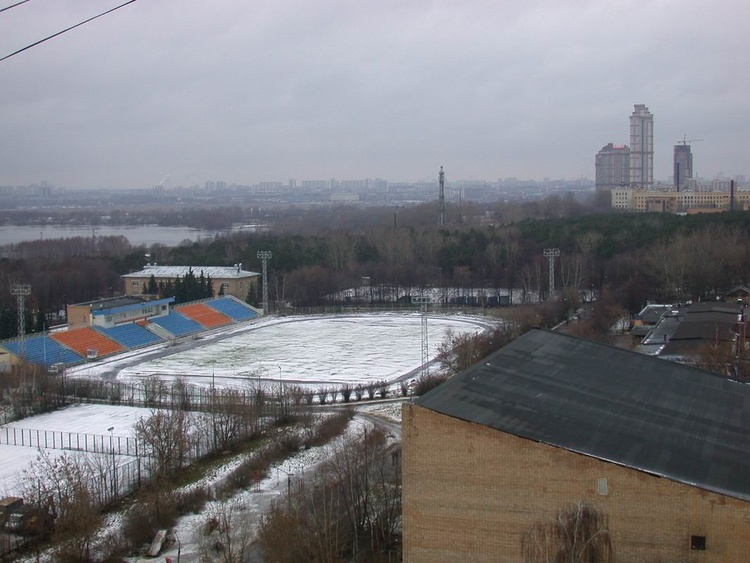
x=551 y=254
x=114 y=462
x=265 y=256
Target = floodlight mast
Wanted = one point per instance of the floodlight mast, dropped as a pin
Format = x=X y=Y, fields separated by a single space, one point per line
x=265 y=256
x=21 y=291
x=423 y=302
x=551 y=254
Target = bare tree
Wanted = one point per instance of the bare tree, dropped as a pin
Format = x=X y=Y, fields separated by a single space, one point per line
x=227 y=534
x=58 y=490
x=350 y=510
x=579 y=533
x=341 y=251
x=154 y=391
x=457 y=352
x=231 y=419
x=167 y=436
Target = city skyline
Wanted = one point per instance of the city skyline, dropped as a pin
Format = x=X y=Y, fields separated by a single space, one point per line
x=268 y=92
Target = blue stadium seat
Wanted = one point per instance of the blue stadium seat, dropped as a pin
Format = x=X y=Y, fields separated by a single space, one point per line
x=231 y=308
x=177 y=324
x=43 y=350
x=131 y=335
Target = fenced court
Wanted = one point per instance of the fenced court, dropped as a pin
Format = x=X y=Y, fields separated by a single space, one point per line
x=82 y=442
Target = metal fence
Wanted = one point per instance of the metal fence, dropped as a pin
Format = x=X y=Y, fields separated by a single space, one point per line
x=82 y=442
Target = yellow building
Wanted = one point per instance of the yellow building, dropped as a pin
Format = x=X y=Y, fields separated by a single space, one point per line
x=229 y=280
x=672 y=201
x=658 y=448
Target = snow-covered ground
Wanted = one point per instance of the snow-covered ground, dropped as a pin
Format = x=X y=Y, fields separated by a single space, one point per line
x=91 y=420
x=312 y=351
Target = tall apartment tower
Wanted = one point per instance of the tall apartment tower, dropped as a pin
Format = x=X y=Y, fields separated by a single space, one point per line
x=641 y=147
x=612 y=165
x=683 y=166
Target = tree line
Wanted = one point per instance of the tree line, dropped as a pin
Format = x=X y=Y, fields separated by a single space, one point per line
x=640 y=257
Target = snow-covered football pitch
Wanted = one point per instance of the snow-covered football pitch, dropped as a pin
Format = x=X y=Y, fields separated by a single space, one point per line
x=313 y=352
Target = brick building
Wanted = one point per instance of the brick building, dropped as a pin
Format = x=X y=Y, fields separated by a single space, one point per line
x=661 y=448
x=233 y=280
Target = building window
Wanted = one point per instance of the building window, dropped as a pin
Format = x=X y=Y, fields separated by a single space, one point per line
x=698 y=542
x=135 y=284
x=602 y=487
x=225 y=285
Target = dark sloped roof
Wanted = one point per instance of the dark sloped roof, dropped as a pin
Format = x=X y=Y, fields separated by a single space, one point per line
x=683 y=423
x=712 y=316
x=715 y=306
x=652 y=313
x=705 y=330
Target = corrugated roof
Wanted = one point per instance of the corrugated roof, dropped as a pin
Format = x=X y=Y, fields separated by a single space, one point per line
x=173 y=272
x=680 y=422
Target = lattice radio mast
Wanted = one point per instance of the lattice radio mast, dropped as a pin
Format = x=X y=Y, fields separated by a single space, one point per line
x=21 y=291
x=265 y=256
x=441 y=199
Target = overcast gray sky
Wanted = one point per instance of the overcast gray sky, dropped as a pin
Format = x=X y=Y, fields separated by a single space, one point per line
x=267 y=90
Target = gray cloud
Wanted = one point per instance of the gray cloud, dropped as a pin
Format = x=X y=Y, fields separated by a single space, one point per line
x=250 y=91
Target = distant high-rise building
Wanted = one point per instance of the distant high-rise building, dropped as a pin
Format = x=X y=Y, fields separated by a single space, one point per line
x=683 y=166
x=641 y=147
x=612 y=167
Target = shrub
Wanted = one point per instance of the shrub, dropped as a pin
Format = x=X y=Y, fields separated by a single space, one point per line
x=156 y=510
x=427 y=381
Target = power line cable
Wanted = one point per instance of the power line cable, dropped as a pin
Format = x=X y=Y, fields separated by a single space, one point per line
x=14 y=5
x=65 y=30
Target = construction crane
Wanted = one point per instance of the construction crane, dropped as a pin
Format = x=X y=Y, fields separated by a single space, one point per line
x=685 y=140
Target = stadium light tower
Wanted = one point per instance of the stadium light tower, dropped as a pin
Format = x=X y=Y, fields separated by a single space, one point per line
x=423 y=302
x=265 y=256
x=21 y=291
x=551 y=254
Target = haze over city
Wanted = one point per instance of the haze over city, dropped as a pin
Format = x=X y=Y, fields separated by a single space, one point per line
x=265 y=91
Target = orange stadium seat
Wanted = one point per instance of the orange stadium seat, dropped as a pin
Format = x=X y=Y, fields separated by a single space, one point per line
x=81 y=340
x=204 y=315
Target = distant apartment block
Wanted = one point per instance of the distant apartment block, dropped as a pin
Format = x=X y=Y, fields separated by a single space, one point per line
x=683 y=166
x=612 y=165
x=268 y=187
x=216 y=186
x=316 y=184
x=641 y=147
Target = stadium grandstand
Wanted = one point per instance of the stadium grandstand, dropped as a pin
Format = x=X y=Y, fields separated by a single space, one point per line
x=142 y=324
x=204 y=315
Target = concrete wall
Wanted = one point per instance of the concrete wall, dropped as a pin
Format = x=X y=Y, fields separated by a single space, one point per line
x=469 y=493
